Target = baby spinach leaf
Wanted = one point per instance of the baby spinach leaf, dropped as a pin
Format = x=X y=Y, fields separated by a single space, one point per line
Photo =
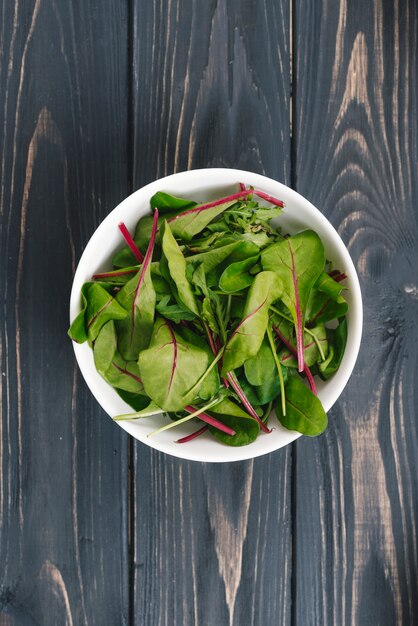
x=165 y=202
x=173 y=311
x=270 y=389
x=304 y=411
x=246 y=431
x=77 y=331
x=228 y=407
x=248 y=336
x=170 y=367
x=337 y=339
x=236 y=276
x=137 y=401
x=298 y=261
x=177 y=269
x=260 y=367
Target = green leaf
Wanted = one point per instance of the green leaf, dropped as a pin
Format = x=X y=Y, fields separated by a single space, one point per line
x=312 y=354
x=177 y=269
x=236 y=251
x=101 y=307
x=247 y=338
x=270 y=389
x=246 y=430
x=260 y=367
x=173 y=311
x=111 y=366
x=337 y=339
x=304 y=411
x=322 y=308
x=188 y=224
x=298 y=261
x=236 y=276
x=137 y=401
x=170 y=367
x=329 y=286
x=165 y=202
x=134 y=332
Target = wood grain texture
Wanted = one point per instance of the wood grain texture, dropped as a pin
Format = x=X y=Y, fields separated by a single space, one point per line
x=355 y=114
x=63 y=465
x=211 y=88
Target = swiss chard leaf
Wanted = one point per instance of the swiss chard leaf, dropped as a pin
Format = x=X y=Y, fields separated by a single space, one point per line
x=248 y=336
x=312 y=353
x=177 y=269
x=134 y=331
x=337 y=339
x=188 y=224
x=322 y=308
x=100 y=308
x=170 y=367
x=115 y=370
x=304 y=411
x=298 y=261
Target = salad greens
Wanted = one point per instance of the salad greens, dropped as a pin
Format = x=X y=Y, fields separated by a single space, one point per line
x=213 y=316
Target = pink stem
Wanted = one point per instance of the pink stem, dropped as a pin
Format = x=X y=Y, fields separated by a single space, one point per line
x=111 y=274
x=340 y=277
x=146 y=262
x=131 y=243
x=292 y=349
x=192 y=435
x=268 y=198
x=242 y=187
x=215 y=347
x=237 y=388
x=234 y=196
x=210 y=420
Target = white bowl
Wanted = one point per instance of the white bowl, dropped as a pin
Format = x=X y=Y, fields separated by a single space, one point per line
x=205 y=185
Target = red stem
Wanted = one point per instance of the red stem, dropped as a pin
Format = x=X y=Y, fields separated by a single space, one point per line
x=111 y=274
x=215 y=347
x=234 y=196
x=299 y=329
x=131 y=243
x=268 y=198
x=292 y=349
x=237 y=388
x=192 y=435
x=210 y=420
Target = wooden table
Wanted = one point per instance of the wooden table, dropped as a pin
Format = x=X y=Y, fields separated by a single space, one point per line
x=99 y=98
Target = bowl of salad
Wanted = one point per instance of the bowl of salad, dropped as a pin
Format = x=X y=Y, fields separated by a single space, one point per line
x=216 y=315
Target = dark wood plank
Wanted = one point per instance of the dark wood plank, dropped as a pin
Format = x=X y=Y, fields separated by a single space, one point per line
x=211 y=88
x=63 y=464
x=356 y=157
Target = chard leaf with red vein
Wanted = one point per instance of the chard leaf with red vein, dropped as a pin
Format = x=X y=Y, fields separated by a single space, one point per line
x=134 y=332
x=100 y=307
x=138 y=297
x=298 y=261
x=171 y=366
x=246 y=339
x=233 y=252
x=111 y=366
